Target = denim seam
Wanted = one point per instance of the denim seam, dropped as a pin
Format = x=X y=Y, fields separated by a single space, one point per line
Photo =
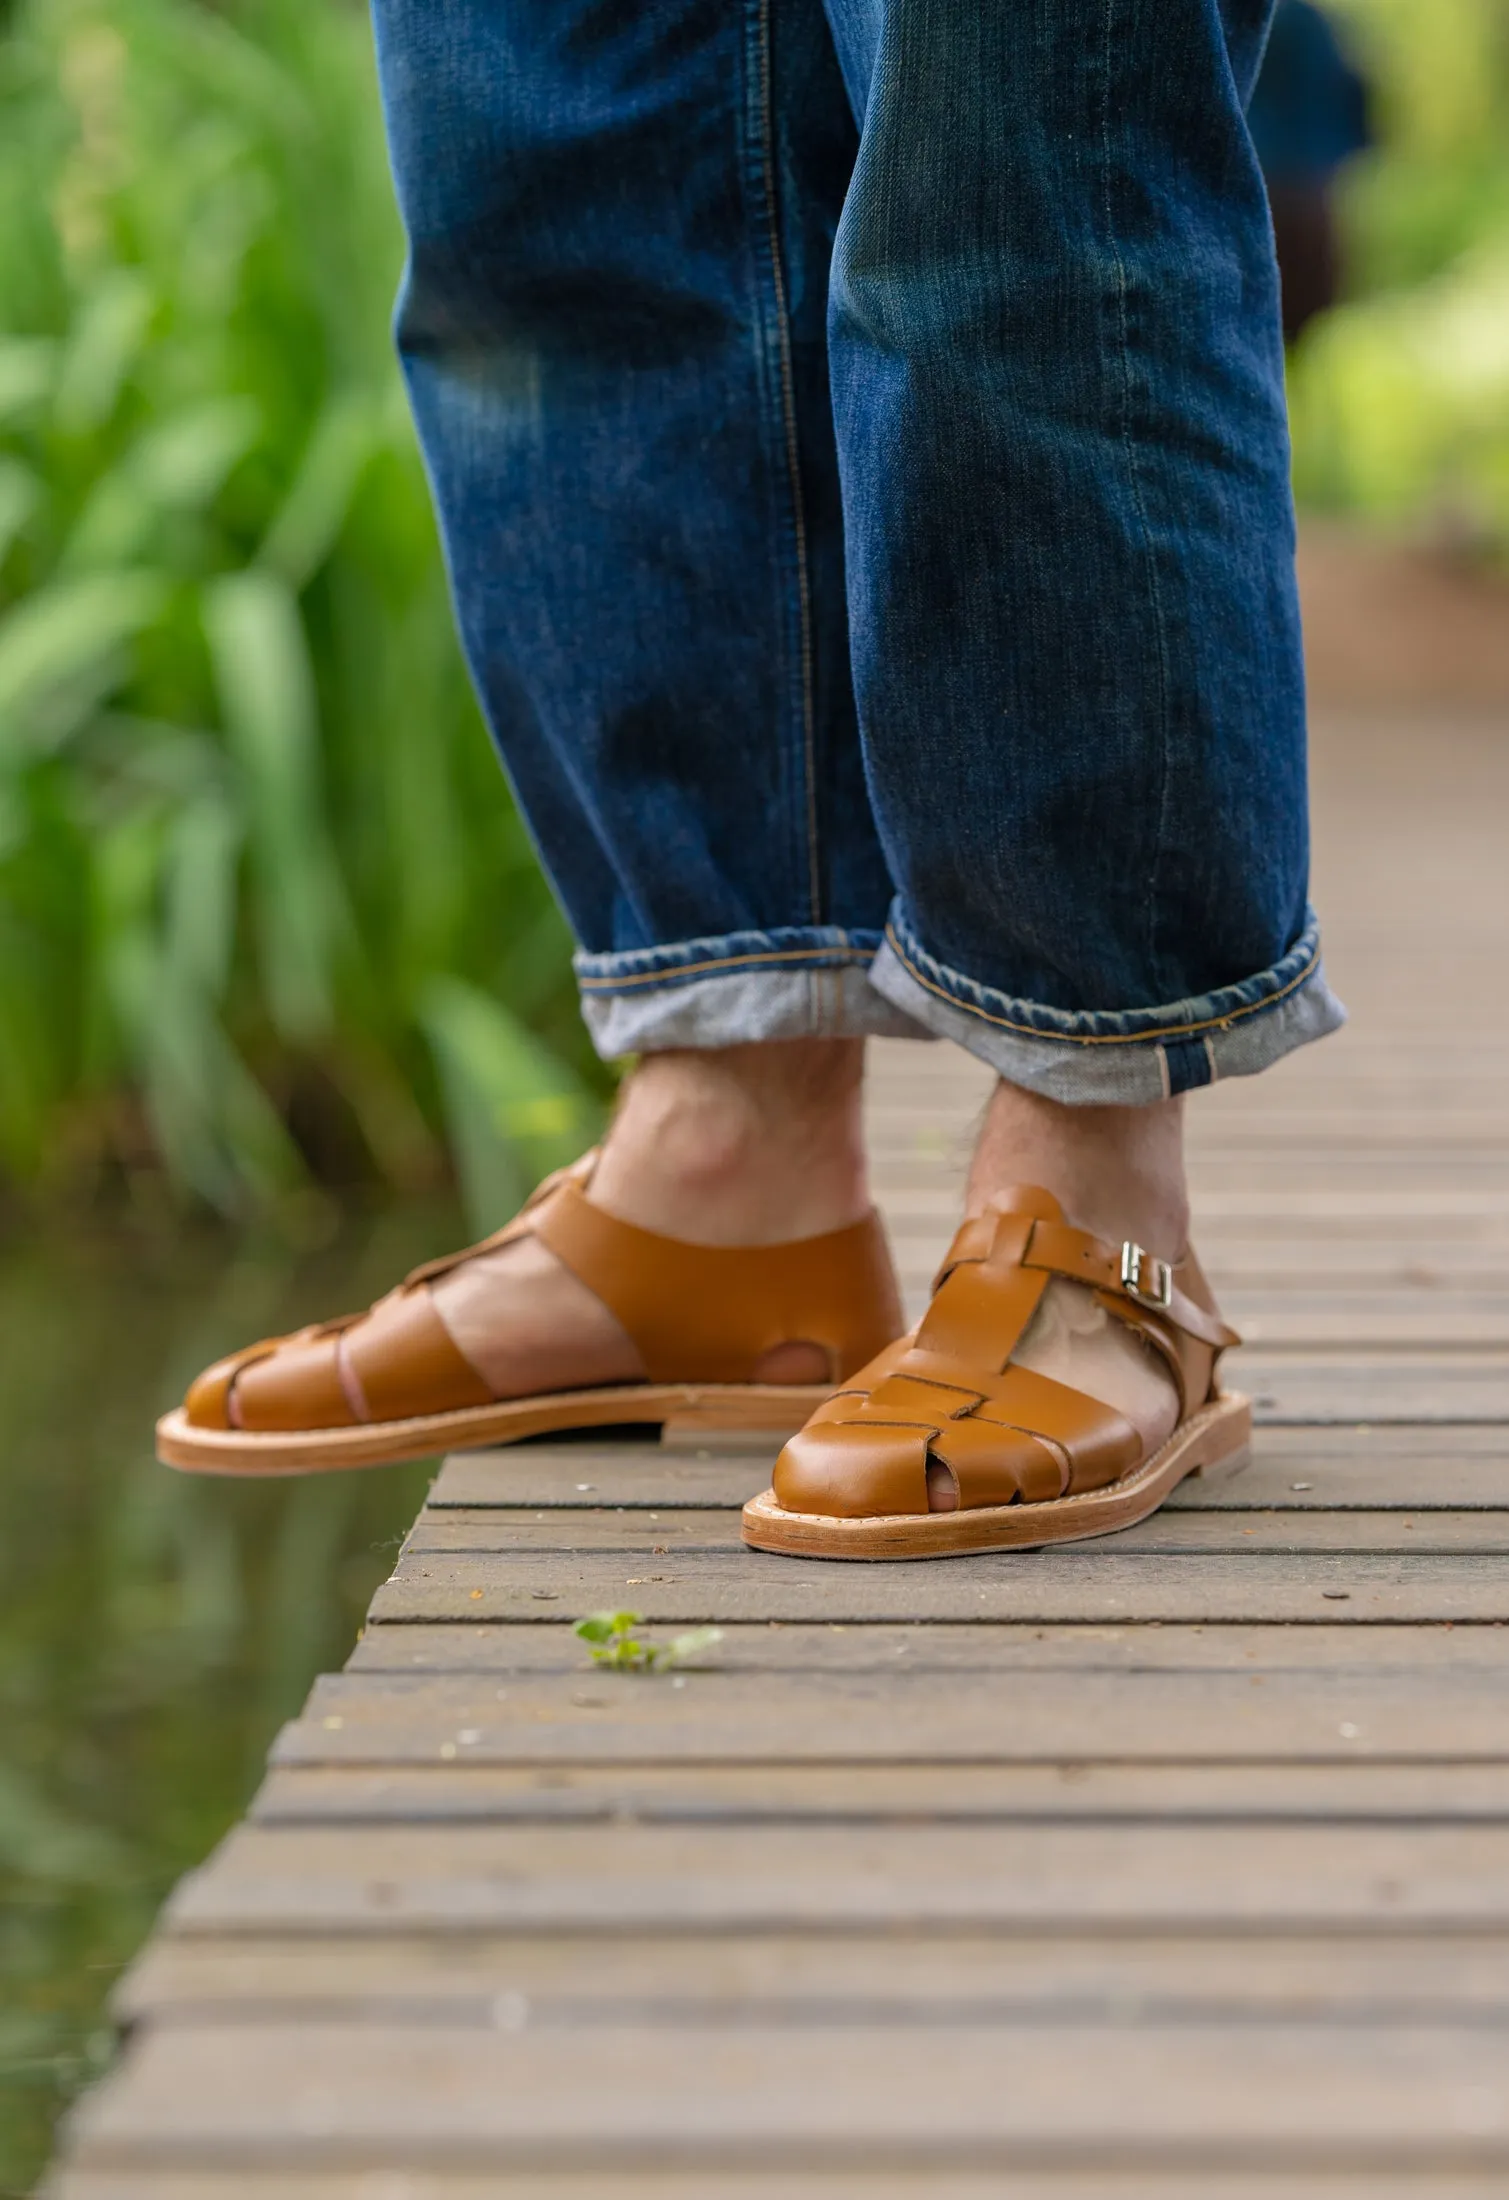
x=1103 y=1038
x=1159 y=622
x=793 y=455
x=836 y=956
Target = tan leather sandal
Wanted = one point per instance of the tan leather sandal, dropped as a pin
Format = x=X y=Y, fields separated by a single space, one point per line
x=391 y=1384
x=1033 y=1461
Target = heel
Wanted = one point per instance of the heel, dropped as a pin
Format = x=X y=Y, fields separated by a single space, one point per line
x=1225 y=1448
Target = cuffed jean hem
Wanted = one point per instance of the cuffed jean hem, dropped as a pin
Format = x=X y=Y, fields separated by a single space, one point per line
x=736 y=990
x=1128 y=1057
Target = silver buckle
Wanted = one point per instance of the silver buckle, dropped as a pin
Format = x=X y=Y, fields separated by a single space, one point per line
x=1146 y=1278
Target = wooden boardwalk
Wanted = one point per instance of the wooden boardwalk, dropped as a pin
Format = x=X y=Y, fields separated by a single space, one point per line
x=1172 y=1867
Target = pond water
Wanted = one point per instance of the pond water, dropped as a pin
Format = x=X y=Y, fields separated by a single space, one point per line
x=155 y=1628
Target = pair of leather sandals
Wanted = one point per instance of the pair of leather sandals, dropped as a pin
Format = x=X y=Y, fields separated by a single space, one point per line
x=1031 y=1460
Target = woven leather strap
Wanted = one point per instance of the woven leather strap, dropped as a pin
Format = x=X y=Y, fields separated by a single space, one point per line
x=952 y=1395
x=696 y=1313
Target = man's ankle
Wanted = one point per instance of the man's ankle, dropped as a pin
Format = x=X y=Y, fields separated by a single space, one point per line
x=1118 y=1172
x=751 y=1144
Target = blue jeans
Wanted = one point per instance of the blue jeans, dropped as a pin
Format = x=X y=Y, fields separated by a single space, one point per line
x=858 y=433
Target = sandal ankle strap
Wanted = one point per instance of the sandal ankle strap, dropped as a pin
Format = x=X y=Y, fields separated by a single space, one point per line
x=1126 y=1272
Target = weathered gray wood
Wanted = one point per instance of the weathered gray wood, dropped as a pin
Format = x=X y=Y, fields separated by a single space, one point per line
x=1418 y=1386
x=1379 y=1467
x=1274 y=2096
x=1248 y=1532
x=606 y=1474
x=834 y=1878
x=993 y=1647
x=1388 y=1978
x=822 y=2183
x=1172 y=1793
x=1268 y=1209
x=1388 y=1318
x=900 y=1715
x=1076 y=1582
x=1347 y=1118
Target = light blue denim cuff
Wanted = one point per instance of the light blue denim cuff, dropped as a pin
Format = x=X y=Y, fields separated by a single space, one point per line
x=825 y=983
x=803 y=982
x=1125 y=1057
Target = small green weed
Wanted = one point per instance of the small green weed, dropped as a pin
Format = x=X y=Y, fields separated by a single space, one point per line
x=611 y=1638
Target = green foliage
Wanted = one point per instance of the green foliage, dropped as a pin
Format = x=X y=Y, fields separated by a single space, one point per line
x=611 y=1638
x=266 y=911
x=1400 y=399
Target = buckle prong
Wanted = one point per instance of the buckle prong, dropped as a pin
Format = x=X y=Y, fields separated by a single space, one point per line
x=1146 y=1278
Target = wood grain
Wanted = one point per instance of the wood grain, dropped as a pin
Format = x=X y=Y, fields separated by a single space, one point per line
x=1085 y=1581
x=750 y=2096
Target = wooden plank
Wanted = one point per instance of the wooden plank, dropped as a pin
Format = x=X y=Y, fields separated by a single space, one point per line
x=1085 y=1582
x=1420 y=1387
x=999 y=1646
x=1346 y=1116
x=1265 y=1209
x=1364 y=1482
x=836 y=1878
x=458 y=1792
x=822 y=2183
x=922 y=1716
x=1415 y=1318
x=919 y=2099
x=1003 y=2183
x=577 y=1474
x=1237 y=1263
x=1248 y=1532
x=1385 y=1466
x=1390 y=1978
x=1218 y=1171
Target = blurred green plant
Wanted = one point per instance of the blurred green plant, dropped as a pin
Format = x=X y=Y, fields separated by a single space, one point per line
x=612 y=1640
x=267 y=914
x=1400 y=398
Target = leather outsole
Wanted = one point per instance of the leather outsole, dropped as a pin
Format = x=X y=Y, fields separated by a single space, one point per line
x=711 y=1409
x=1215 y=1437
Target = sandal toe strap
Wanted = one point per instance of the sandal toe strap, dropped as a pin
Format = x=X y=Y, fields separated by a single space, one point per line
x=953 y=1396
x=1016 y=1437
x=391 y=1364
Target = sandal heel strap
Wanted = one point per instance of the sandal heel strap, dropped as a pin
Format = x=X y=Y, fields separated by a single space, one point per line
x=711 y=1313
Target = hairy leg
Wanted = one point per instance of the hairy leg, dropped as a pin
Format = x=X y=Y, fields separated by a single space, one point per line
x=1117 y=1171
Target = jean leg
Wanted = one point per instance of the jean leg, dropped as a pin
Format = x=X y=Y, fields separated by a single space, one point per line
x=1058 y=385
x=613 y=327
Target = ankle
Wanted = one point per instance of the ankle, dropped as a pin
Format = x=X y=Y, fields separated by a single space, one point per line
x=749 y=1144
x=1118 y=1172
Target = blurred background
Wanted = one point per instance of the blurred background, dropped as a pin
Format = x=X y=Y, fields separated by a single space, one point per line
x=284 y=1004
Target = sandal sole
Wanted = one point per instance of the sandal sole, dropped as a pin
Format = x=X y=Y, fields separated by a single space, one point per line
x=1216 y=1436
x=705 y=1410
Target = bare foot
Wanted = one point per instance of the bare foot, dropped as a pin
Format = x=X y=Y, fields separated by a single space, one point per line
x=737 y=1146
x=1118 y=1172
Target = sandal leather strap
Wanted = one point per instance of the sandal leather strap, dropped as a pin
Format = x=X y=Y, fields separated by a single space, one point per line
x=1118 y=1271
x=711 y=1313
x=953 y=1395
x=696 y=1313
